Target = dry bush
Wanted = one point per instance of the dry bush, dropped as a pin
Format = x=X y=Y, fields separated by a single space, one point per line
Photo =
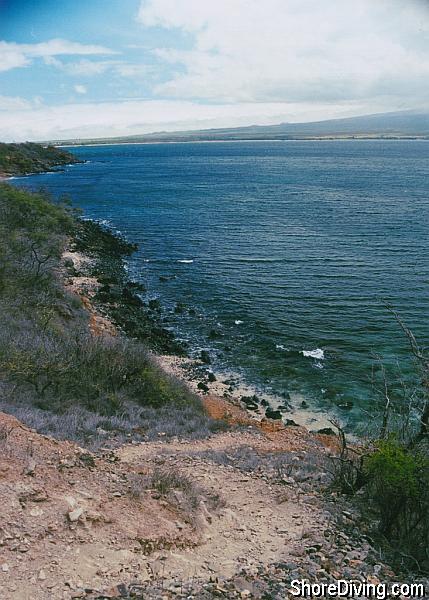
x=178 y=489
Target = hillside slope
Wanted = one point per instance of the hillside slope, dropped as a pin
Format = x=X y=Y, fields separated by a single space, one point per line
x=387 y=125
x=23 y=159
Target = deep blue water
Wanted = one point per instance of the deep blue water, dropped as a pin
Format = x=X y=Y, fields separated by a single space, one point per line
x=301 y=241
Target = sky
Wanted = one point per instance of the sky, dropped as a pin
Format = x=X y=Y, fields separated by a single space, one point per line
x=97 y=68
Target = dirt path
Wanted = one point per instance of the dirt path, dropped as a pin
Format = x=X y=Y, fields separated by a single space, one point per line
x=77 y=525
x=261 y=523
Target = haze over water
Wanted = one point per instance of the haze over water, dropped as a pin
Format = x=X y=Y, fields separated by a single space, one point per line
x=281 y=247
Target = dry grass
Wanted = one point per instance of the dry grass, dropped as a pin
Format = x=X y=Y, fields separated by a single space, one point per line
x=178 y=489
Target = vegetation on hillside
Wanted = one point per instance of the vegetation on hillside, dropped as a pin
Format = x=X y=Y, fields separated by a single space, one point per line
x=54 y=374
x=23 y=159
x=389 y=474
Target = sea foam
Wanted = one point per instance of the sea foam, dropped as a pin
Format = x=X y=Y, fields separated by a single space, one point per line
x=317 y=353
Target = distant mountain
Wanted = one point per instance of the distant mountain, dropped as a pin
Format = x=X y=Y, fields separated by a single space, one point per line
x=403 y=124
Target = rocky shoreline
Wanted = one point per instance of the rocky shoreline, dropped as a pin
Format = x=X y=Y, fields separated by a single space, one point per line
x=122 y=302
x=112 y=293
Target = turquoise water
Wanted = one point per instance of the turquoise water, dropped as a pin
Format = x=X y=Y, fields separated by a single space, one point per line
x=281 y=247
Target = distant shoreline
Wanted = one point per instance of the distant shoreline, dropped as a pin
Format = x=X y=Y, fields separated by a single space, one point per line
x=313 y=139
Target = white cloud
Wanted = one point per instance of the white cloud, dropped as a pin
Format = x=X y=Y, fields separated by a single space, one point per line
x=111 y=119
x=134 y=70
x=14 y=103
x=91 y=68
x=295 y=50
x=80 y=89
x=86 y=68
x=14 y=55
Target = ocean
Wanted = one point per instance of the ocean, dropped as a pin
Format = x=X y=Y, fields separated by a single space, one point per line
x=276 y=257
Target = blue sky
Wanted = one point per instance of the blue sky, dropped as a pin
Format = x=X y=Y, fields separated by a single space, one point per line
x=85 y=68
x=111 y=25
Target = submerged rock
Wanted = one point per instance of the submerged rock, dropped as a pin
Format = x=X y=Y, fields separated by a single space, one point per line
x=205 y=357
x=179 y=309
x=346 y=405
x=215 y=334
x=154 y=304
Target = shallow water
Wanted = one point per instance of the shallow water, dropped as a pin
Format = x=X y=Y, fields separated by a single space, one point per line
x=286 y=249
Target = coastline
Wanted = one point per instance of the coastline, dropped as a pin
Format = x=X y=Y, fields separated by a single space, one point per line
x=117 y=303
x=221 y=402
x=262 y=140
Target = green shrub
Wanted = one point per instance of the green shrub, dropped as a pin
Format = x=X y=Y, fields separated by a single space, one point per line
x=398 y=483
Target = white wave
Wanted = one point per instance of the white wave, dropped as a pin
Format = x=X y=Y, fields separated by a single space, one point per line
x=238 y=322
x=317 y=353
x=186 y=261
x=280 y=347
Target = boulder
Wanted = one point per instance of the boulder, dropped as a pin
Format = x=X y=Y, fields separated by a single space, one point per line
x=272 y=414
x=203 y=387
x=326 y=431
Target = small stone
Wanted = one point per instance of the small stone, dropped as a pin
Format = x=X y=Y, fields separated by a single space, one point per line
x=74 y=515
x=5 y=568
x=42 y=575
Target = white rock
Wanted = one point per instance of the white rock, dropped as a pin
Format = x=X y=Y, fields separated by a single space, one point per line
x=74 y=515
